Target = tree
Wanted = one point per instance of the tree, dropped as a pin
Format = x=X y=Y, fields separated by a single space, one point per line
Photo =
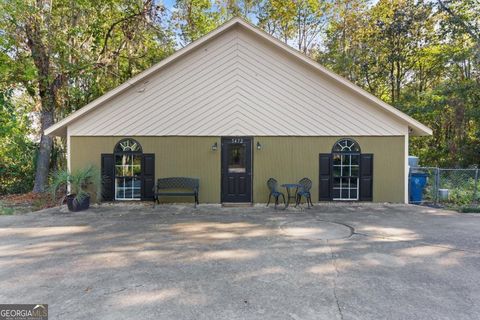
x=378 y=47
x=296 y=22
x=344 y=44
x=194 y=18
x=311 y=20
x=421 y=58
x=277 y=18
x=17 y=151
x=465 y=15
x=237 y=8
x=400 y=29
x=449 y=102
x=68 y=46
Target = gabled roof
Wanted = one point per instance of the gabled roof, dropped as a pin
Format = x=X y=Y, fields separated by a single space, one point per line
x=416 y=128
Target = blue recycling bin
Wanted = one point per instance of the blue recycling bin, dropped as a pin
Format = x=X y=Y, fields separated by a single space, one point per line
x=417 y=184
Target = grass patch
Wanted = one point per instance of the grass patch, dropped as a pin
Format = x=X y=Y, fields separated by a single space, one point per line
x=5 y=210
x=469 y=209
x=25 y=202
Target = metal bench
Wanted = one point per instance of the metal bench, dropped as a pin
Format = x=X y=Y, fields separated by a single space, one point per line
x=180 y=186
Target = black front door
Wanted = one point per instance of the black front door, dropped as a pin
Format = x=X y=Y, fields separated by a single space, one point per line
x=237 y=169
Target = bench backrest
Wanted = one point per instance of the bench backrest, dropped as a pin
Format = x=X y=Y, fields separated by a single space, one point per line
x=178 y=183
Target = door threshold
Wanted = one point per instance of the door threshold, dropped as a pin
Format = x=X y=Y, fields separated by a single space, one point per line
x=237 y=204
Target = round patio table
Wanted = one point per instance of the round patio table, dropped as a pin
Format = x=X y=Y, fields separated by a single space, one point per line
x=289 y=187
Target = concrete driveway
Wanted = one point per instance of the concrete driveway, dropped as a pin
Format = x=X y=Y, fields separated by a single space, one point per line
x=174 y=262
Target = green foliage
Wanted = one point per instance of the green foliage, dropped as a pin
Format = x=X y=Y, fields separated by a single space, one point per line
x=467 y=209
x=461 y=193
x=421 y=56
x=5 y=210
x=451 y=110
x=82 y=182
x=17 y=151
x=65 y=53
x=195 y=18
x=236 y=8
x=298 y=23
x=460 y=196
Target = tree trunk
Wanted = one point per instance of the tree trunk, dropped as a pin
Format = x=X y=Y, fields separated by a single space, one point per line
x=392 y=82
x=48 y=85
x=43 y=157
x=398 y=80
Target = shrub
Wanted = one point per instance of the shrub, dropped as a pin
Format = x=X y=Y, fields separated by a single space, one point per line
x=81 y=182
x=17 y=150
x=470 y=209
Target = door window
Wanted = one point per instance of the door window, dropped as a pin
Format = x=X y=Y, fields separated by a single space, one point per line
x=237 y=158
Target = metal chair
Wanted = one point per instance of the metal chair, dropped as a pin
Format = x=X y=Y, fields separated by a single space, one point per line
x=303 y=190
x=272 y=185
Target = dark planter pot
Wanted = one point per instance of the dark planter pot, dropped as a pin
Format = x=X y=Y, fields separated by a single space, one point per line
x=74 y=205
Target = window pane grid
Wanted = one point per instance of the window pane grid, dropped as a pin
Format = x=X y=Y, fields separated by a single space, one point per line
x=127 y=185
x=127 y=188
x=345 y=176
x=127 y=169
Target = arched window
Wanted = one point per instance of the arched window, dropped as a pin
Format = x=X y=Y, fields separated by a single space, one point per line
x=346 y=169
x=346 y=145
x=128 y=145
x=128 y=170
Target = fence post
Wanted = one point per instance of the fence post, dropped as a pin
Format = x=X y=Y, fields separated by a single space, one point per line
x=437 y=184
x=476 y=186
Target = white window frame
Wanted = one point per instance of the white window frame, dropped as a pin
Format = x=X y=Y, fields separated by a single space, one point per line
x=346 y=147
x=349 y=177
x=122 y=186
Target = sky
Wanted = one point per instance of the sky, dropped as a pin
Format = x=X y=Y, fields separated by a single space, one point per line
x=168 y=3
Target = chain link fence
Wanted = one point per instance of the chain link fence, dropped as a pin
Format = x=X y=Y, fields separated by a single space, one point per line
x=450 y=187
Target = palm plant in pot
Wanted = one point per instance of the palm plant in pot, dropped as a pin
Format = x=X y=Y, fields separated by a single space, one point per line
x=81 y=182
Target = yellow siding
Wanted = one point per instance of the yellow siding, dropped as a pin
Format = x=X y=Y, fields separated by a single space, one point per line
x=174 y=156
x=287 y=159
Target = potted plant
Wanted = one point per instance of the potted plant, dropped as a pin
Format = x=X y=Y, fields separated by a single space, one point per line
x=78 y=197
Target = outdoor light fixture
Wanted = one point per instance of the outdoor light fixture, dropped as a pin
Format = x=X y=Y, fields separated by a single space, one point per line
x=259 y=146
x=214 y=146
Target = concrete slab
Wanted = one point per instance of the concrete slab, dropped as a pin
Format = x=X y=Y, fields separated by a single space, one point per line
x=315 y=229
x=176 y=262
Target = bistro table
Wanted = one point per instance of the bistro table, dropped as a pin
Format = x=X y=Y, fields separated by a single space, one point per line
x=289 y=187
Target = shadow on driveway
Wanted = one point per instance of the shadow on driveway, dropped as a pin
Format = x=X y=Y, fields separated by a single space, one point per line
x=176 y=262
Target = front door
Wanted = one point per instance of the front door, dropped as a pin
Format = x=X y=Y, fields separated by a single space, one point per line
x=237 y=169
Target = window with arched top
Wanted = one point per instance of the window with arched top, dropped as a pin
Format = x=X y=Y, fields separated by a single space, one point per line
x=127 y=145
x=346 y=145
x=128 y=170
x=346 y=169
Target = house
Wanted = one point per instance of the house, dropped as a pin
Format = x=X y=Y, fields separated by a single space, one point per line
x=233 y=109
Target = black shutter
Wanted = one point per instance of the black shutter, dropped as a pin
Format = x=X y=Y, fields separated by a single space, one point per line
x=366 y=177
x=148 y=174
x=108 y=177
x=325 y=184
